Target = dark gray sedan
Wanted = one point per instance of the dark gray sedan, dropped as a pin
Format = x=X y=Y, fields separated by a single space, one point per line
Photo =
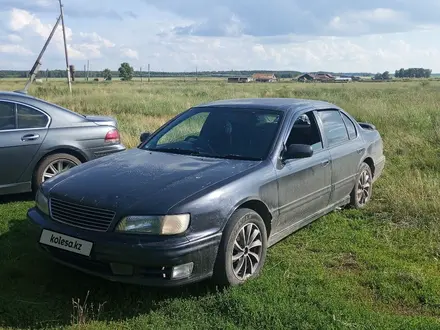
x=208 y=193
x=39 y=139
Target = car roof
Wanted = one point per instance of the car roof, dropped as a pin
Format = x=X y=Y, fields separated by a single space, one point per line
x=280 y=104
x=16 y=94
x=54 y=110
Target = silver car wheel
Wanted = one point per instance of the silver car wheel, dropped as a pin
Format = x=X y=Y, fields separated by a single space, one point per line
x=364 y=188
x=247 y=251
x=57 y=167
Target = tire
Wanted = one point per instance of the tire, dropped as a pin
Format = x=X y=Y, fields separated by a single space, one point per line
x=45 y=164
x=242 y=219
x=363 y=188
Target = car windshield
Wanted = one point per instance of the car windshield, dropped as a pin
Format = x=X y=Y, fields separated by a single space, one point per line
x=231 y=133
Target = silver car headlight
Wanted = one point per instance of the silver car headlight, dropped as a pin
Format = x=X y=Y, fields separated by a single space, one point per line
x=41 y=202
x=155 y=225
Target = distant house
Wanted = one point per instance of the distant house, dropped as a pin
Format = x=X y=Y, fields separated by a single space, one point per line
x=324 y=77
x=264 y=77
x=317 y=77
x=306 y=77
x=239 y=79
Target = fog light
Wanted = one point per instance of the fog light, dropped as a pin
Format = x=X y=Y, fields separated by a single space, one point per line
x=182 y=271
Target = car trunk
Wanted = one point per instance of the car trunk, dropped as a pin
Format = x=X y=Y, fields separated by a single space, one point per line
x=103 y=120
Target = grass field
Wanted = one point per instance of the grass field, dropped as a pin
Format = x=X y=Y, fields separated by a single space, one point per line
x=373 y=269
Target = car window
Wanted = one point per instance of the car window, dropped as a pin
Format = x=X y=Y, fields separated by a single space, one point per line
x=352 y=133
x=7 y=116
x=186 y=129
x=30 y=118
x=305 y=131
x=222 y=133
x=334 y=127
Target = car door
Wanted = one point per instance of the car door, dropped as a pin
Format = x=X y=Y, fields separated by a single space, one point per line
x=346 y=150
x=304 y=184
x=22 y=131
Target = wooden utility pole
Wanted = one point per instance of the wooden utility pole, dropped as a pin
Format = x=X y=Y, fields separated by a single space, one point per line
x=148 y=72
x=34 y=71
x=141 y=74
x=65 y=47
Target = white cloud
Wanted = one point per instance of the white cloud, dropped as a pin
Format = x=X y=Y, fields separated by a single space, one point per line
x=15 y=38
x=83 y=46
x=14 y=49
x=130 y=53
x=97 y=39
x=362 y=22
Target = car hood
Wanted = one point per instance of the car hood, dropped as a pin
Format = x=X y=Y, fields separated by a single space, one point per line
x=139 y=181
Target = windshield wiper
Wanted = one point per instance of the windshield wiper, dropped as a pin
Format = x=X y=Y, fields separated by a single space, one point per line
x=240 y=157
x=179 y=151
x=203 y=154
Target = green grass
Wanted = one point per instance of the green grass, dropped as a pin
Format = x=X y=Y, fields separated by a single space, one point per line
x=373 y=269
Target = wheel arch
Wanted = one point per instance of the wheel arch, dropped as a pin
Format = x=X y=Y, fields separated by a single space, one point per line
x=259 y=207
x=60 y=150
x=369 y=161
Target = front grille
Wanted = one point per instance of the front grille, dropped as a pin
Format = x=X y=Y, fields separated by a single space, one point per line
x=81 y=216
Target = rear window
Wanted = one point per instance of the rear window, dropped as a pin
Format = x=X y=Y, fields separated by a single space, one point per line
x=30 y=118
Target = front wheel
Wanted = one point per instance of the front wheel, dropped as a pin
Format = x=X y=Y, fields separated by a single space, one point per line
x=243 y=249
x=363 y=189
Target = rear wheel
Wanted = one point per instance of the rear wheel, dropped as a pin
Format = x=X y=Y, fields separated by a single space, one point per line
x=363 y=189
x=53 y=165
x=243 y=248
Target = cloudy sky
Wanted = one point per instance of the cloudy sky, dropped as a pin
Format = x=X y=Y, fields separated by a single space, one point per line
x=180 y=35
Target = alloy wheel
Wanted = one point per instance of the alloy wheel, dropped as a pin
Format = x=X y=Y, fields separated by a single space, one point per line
x=364 y=187
x=248 y=248
x=57 y=167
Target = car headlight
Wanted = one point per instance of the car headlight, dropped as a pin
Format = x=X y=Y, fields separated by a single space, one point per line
x=155 y=225
x=42 y=202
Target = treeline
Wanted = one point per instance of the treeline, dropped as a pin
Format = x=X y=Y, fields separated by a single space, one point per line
x=413 y=73
x=402 y=73
x=81 y=74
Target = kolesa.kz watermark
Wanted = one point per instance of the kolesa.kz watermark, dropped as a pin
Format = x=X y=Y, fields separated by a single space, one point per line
x=64 y=242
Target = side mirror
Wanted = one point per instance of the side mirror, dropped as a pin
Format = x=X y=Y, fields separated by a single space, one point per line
x=144 y=137
x=295 y=151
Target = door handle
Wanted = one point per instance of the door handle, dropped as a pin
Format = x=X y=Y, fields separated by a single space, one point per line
x=361 y=150
x=325 y=163
x=30 y=137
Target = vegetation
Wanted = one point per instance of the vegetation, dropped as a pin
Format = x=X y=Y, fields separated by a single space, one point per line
x=126 y=71
x=402 y=73
x=287 y=74
x=382 y=76
x=372 y=269
x=107 y=74
x=413 y=73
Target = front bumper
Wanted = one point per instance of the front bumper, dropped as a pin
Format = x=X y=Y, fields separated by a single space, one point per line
x=131 y=259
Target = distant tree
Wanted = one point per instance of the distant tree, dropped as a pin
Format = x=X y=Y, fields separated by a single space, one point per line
x=126 y=71
x=386 y=75
x=378 y=76
x=413 y=73
x=107 y=74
